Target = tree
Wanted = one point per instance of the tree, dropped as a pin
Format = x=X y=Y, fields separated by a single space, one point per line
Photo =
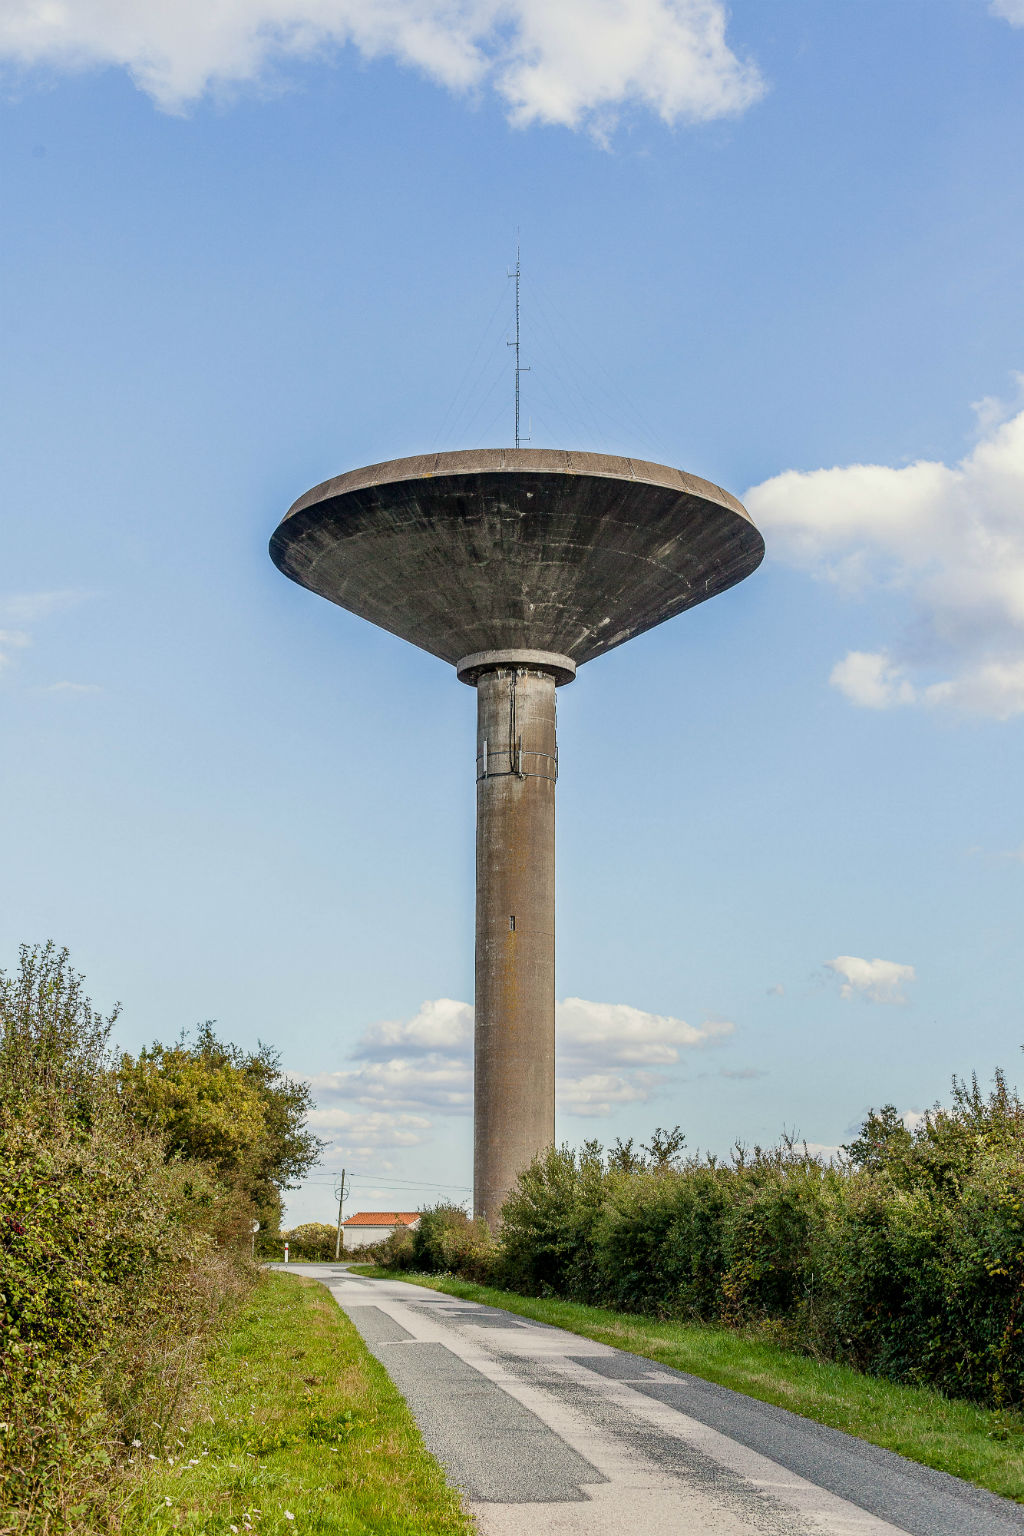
x=214 y=1103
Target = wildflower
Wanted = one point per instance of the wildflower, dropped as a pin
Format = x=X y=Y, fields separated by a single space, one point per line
x=235 y=1529
x=167 y=1500
x=151 y=1456
x=137 y=1444
x=288 y=1515
x=170 y=1461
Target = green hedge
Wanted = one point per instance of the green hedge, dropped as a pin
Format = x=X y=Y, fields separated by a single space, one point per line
x=118 y=1258
x=905 y=1260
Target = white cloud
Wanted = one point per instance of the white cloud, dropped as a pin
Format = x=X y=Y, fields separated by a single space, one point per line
x=30 y=607
x=870 y=679
x=823 y=1151
x=11 y=640
x=878 y=981
x=360 y=1131
x=605 y=1055
x=430 y=1082
x=599 y=1093
x=21 y=608
x=1009 y=10
x=946 y=541
x=573 y=62
x=778 y=990
x=440 y=1025
x=74 y=688
x=606 y=1052
x=616 y=1033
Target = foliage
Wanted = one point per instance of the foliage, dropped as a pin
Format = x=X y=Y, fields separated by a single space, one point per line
x=121 y=1248
x=296 y=1416
x=314 y=1242
x=905 y=1259
x=214 y=1103
x=446 y=1239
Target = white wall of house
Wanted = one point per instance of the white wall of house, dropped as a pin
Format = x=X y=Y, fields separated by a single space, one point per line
x=358 y=1237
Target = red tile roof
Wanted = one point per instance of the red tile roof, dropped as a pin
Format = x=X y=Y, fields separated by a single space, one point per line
x=381 y=1219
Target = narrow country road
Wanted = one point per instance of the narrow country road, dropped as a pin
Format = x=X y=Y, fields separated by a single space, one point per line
x=547 y=1432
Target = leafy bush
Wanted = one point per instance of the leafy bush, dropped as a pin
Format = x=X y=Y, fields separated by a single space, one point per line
x=120 y=1247
x=211 y=1102
x=314 y=1243
x=906 y=1259
x=449 y=1241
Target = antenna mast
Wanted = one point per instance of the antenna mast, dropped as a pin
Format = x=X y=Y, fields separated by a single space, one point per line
x=515 y=344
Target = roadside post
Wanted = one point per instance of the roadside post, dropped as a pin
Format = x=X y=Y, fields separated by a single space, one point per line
x=286 y=1253
x=254 y=1229
x=339 y=1190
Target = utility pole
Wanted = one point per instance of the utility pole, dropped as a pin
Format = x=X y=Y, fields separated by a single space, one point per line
x=339 y=1190
x=515 y=344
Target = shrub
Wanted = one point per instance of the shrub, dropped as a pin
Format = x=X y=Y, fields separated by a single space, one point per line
x=448 y=1241
x=120 y=1251
x=315 y=1242
x=906 y=1259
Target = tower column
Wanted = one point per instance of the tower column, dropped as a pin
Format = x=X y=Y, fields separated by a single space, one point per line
x=514 y=1063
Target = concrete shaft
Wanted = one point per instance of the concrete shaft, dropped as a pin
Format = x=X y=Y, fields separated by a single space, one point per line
x=514 y=1067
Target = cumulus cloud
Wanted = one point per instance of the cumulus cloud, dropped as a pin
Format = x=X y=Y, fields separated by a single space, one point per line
x=365 y=1131
x=440 y=1025
x=573 y=63
x=616 y=1033
x=608 y=1054
x=624 y=1044
x=598 y=1093
x=872 y=680
x=946 y=542
x=877 y=981
x=432 y=1081
x=1008 y=10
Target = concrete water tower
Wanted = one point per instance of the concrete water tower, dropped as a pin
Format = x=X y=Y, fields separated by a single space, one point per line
x=516 y=566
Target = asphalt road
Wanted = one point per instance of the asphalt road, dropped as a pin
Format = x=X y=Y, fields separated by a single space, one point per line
x=549 y=1433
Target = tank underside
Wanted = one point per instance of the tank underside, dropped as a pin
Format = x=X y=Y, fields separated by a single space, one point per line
x=517 y=549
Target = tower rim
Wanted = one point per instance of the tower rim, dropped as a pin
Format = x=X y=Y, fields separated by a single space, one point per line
x=477 y=461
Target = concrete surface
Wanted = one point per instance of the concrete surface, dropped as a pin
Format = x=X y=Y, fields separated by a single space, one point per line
x=514 y=1051
x=549 y=1434
x=517 y=566
x=504 y=548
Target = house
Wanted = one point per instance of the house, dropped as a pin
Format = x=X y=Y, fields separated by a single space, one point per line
x=374 y=1226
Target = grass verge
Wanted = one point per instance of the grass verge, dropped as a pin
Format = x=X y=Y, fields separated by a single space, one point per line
x=303 y=1432
x=977 y=1444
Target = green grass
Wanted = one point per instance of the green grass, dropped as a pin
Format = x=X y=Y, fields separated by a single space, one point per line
x=977 y=1444
x=300 y=1431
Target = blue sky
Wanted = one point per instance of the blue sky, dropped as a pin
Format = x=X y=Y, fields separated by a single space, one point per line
x=249 y=245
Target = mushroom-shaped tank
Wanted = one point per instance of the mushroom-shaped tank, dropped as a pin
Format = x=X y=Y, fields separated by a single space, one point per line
x=517 y=549
x=517 y=565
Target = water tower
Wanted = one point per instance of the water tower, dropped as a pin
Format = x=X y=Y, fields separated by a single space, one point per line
x=516 y=565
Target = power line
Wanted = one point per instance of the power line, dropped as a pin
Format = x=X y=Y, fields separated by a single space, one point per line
x=384 y=1178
